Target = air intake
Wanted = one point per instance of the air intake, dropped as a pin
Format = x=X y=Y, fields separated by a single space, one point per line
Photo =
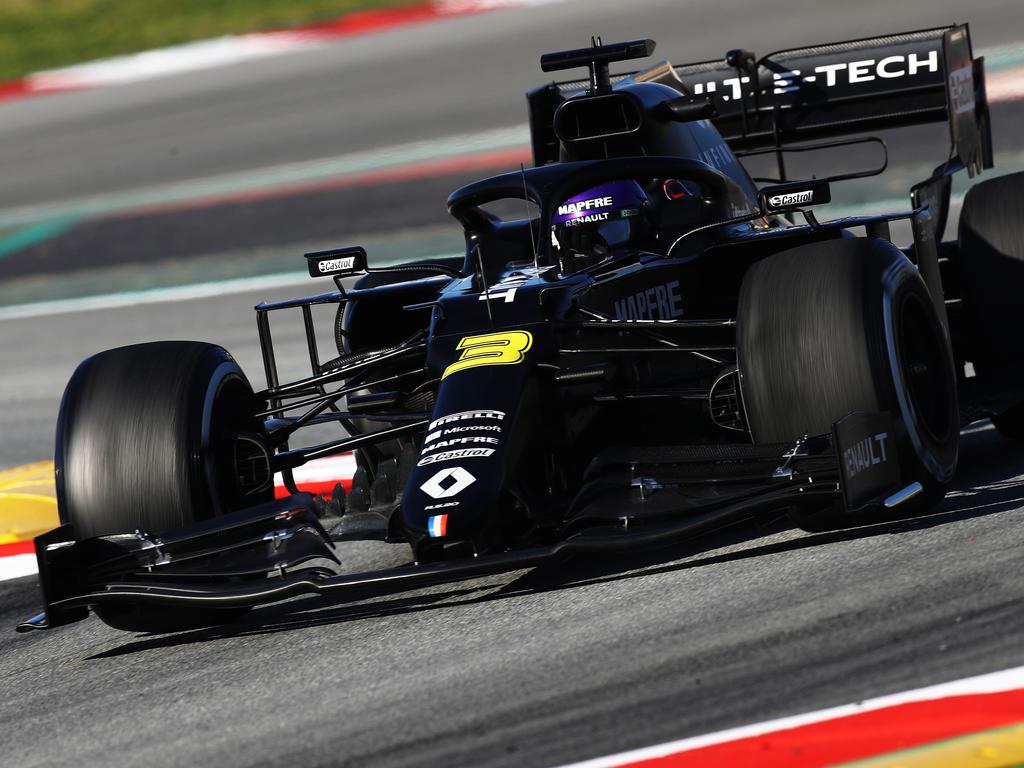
x=598 y=117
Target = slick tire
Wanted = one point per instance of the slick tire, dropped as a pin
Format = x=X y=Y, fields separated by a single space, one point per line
x=848 y=325
x=145 y=442
x=992 y=264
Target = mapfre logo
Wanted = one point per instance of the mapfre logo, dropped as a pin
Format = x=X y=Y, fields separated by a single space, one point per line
x=584 y=205
x=792 y=198
x=660 y=302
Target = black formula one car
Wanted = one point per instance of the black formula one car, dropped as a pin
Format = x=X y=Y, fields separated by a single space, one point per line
x=655 y=349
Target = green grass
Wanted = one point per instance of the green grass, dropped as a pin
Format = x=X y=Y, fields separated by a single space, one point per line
x=43 y=34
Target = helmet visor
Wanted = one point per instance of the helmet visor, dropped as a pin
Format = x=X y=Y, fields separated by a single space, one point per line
x=601 y=220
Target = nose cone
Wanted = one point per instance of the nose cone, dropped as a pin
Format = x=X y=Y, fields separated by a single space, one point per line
x=472 y=443
x=461 y=471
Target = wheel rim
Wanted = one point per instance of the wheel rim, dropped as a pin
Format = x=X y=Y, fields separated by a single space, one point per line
x=923 y=365
x=226 y=417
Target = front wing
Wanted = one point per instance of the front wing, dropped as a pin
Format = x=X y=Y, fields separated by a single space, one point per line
x=269 y=553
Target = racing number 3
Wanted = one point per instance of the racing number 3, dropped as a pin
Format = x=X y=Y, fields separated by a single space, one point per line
x=505 y=348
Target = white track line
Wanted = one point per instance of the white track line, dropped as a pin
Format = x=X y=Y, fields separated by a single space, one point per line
x=237 y=49
x=153 y=295
x=319 y=471
x=17 y=566
x=161 y=62
x=174 y=293
x=1005 y=85
x=323 y=470
x=270 y=177
x=994 y=682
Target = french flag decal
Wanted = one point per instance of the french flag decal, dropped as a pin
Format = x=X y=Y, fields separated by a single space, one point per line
x=437 y=525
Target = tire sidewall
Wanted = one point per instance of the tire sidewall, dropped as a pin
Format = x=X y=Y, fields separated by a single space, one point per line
x=931 y=459
x=103 y=406
x=820 y=336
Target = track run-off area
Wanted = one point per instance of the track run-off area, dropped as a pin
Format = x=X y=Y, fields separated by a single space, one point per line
x=166 y=208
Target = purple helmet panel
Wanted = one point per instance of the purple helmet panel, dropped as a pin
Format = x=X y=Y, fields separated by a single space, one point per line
x=605 y=198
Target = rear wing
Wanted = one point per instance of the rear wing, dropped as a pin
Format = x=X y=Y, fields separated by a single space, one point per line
x=827 y=91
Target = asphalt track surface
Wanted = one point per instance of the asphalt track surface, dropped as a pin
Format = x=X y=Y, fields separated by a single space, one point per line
x=544 y=667
x=537 y=668
x=454 y=77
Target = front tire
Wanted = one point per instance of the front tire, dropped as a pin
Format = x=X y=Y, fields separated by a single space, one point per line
x=832 y=328
x=146 y=442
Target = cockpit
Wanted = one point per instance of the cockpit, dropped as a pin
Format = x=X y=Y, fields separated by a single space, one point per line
x=594 y=212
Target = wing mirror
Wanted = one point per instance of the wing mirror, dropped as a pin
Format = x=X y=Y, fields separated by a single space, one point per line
x=794 y=195
x=337 y=262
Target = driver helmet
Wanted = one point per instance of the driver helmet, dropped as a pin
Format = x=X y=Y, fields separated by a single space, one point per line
x=601 y=222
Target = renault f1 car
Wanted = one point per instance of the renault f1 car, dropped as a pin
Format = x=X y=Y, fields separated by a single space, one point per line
x=656 y=348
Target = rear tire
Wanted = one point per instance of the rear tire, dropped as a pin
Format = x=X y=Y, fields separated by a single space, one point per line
x=362 y=326
x=828 y=329
x=992 y=264
x=145 y=442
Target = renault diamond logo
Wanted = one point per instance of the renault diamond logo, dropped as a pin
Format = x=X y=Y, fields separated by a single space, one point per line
x=447 y=483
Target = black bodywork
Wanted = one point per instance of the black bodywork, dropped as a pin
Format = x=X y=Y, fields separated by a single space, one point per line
x=537 y=407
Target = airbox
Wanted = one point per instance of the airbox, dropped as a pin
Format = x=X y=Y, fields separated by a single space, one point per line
x=598 y=117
